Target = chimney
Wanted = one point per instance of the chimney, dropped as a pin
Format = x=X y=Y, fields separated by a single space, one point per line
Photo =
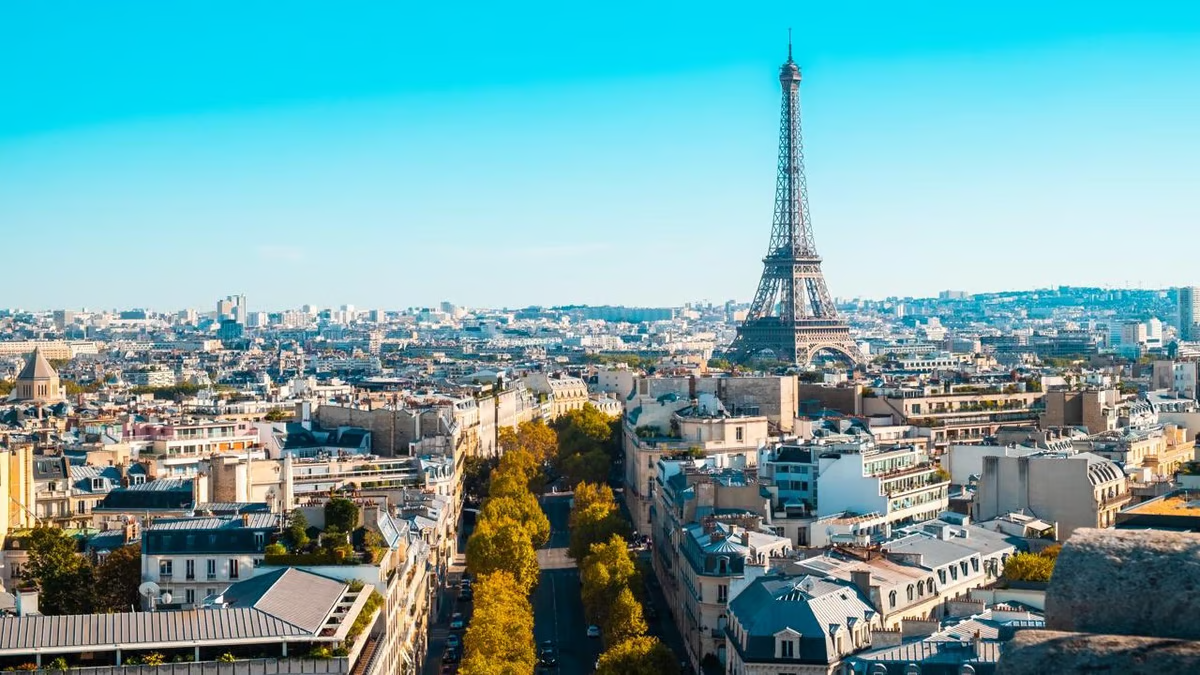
x=129 y=530
x=745 y=537
x=27 y=603
x=245 y=520
x=862 y=580
x=976 y=643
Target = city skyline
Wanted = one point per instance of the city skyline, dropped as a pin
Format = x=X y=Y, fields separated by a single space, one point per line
x=320 y=159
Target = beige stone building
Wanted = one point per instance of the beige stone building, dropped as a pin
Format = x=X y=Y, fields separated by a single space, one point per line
x=1070 y=490
x=560 y=393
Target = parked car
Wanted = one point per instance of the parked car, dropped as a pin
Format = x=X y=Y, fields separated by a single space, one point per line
x=450 y=656
x=453 y=641
x=457 y=622
x=467 y=594
x=593 y=631
x=546 y=654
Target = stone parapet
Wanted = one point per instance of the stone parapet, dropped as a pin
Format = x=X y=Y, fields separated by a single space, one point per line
x=1127 y=582
x=1041 y=652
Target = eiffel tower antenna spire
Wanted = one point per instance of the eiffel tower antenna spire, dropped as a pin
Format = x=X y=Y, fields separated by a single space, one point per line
x=793 y=316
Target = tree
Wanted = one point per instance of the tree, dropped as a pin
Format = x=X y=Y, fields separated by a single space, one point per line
x=524 y=509
x=500 y=637
x=507 y=484
x=594 y=518
x=591 y=466
x=118 y=578
x=582 y=430
x=503 y=546
x=533 y=437
x=1029 y=567
x=296 y=534
x=65 y=578
x=606 y=569
x=477 y=474
x=279 y=415
x=522 y=463
x=341 y=514
x=624 y=619
x=637 y=656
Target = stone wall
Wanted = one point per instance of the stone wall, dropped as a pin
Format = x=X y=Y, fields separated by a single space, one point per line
x=1120 y=601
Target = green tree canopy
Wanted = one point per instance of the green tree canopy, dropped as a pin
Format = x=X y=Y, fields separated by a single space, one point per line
x=503 y=546
x=296 y=533
x=524 y=509
x=500 y=637
x=638 y=656
x=583 y=430
x=66 y=579
x=605 y=571
x=341 y=515
x=118 y=578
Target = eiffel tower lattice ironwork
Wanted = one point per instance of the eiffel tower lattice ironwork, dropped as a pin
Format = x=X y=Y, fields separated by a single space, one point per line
x=793 y=317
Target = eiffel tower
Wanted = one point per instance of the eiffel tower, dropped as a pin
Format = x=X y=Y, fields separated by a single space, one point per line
x=793 y=316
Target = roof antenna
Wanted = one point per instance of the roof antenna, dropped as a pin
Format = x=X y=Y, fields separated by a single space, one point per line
x=789 y=44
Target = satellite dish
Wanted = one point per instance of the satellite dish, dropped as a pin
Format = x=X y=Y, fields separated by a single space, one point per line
x=149 y=589
x=166 y=598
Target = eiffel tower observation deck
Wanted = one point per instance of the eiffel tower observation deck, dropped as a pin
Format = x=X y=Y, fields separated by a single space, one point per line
x=793 y=317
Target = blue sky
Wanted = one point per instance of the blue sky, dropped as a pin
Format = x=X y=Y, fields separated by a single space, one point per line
x=505 y=154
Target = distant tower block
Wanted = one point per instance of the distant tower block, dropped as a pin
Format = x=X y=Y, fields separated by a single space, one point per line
x=792 y=317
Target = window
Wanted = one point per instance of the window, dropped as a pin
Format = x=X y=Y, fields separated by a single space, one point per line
x=722 y=593
x=190 y=569
x=209 y=591
x=954 y=572
x=189 y=595
x=975 y=565
x=738 y=433
x=892 y=600
x=787 y=649
x=260 y=539
x=942 y=576
x=963 y=565
x=212 y=569
x=910 y=592
x=164 y=569
x=233 y=568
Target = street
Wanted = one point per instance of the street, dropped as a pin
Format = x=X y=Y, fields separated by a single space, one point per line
x=557 y=606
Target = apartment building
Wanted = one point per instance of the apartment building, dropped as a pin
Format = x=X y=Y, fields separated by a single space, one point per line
x=288 y=614
x=1160 y=450
x=959 y=414
x=560 y=393
x=1072 y=490
x=667 y=426
x=901 y=484
x=801 y=625
x=707 y=528
x=176 y=448
x=194 y=558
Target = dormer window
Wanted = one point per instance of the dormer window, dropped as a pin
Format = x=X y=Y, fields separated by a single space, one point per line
x=138 y=479
x=787 y=649
x=97 y=483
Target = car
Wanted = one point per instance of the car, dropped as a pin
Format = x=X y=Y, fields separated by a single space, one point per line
x=546 y=654
x=449 y=669
x=457 y=622
x=453 y=641
x=593 y=631
x=450 y=656
x=467 y=594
